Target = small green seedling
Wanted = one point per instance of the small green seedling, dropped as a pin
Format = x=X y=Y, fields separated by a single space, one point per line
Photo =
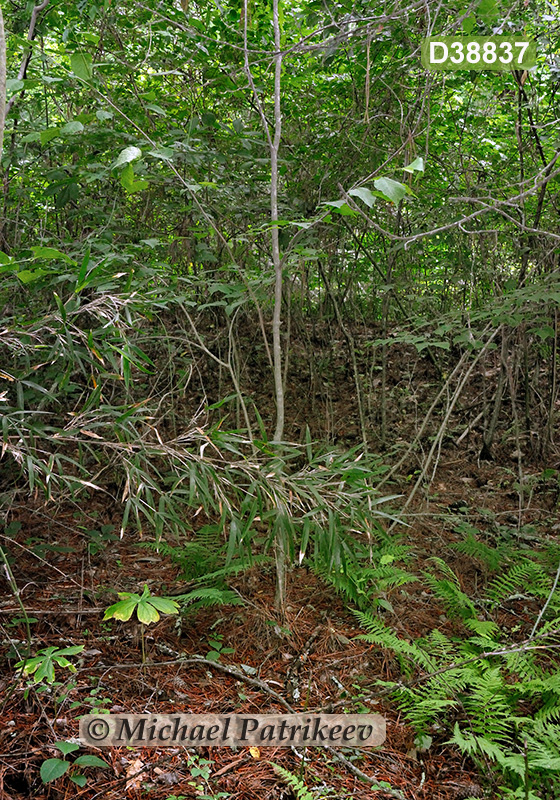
x=217 y=648
x=54 y=768
x=43 y=664
x=147 y=609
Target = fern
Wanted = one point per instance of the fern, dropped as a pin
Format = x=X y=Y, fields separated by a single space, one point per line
x=296 y=784
x=447 y=590
x=503 y=708
x=379 y=633
x=208 y=596
x=490 y=557
x=526 y=576
x=365 y=575
x=195 y=558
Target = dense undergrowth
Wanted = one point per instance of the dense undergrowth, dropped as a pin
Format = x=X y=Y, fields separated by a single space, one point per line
x=103 y=396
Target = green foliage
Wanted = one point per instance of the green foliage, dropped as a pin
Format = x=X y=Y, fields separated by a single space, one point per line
x=147 y=607
x=135 y=256
x=501 y=700
x=42 y=666
x=208 y=596
x=54 y=768
x=368 y=573
x=298 y=787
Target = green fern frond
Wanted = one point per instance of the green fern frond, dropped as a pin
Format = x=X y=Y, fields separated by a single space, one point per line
x=209 y=596
x=525 y=577
x=456 y=602
x=490 y=557
x=298 y=787
x=379 y=633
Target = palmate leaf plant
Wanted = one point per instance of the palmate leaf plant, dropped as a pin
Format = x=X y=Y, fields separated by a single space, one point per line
x=498 y=701
x=147 y=607
x=42 y=666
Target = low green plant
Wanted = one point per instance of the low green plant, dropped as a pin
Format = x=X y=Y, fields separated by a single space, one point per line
x=42 y=666
x=201 y=771
x=54 y=768
x=99 y=539
x=147 y=607
x=297 y=786
x=367 y=573
x=499 y=699
x=217 y=648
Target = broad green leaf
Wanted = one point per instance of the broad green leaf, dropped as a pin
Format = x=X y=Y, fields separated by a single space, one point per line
x=72 y=127
x=80 y=64
x=30 y=665
x=13 y=85
x=341 y=207
x=213 y=655
x=165 y=605
x=468 y=24
x=127 y=155
x=146 y=612
x=53 y=768
x=45 y=671
x=69 y=651
x=488 y=11
x=546 y=332
x=67 y=747
x=391 y=190
x=128 y=182
x=47 y=135
x=51 y=252
x=415 y=166
x=5 y=259
x=28 y=275
x=103 y=116
x=364 y=194
x=91 y=761
x=122 y=610
x=165 y=153
x=156 y=109
x=79 y=780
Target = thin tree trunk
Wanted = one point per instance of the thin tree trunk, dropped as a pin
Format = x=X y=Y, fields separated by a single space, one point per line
x=2 y=83
x=274 y=147
x=27 y=53
x=276 y=259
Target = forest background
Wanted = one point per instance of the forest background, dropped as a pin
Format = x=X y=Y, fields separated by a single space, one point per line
x=280 y=307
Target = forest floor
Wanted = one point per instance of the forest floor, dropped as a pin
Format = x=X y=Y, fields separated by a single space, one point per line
x=69 y=565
